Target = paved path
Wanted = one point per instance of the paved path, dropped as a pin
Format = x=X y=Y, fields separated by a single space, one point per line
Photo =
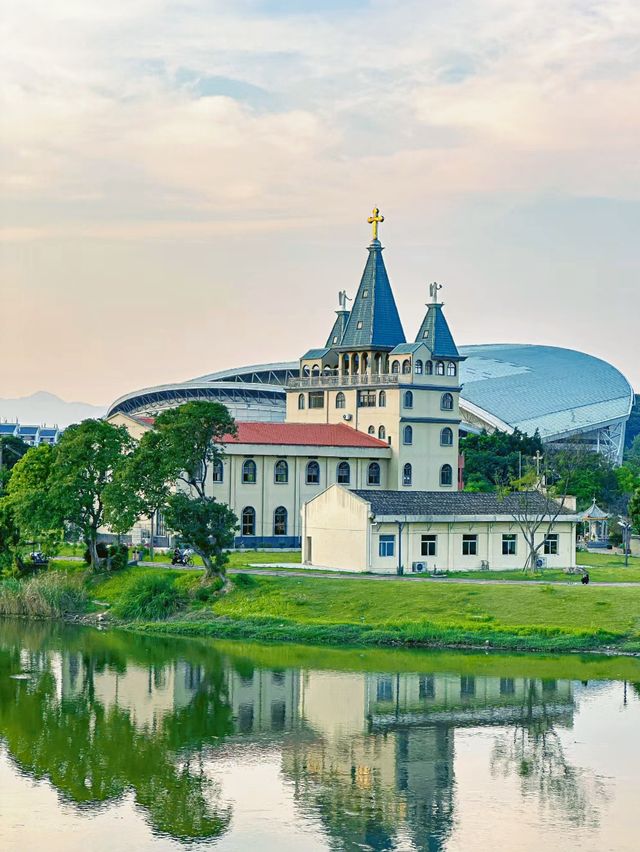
x=259 y=571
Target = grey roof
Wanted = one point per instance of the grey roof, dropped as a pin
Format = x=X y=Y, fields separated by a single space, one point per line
x=314 y=353
x=374 y=322
x=595 y=513
x=436 y=334
x=557 y=391
x=450 y=503
x=337 y=330
x=405 y=349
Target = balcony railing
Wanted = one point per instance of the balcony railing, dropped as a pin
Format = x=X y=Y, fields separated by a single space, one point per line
x=346 y=381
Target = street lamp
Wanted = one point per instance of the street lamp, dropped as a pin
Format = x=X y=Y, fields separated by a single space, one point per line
x=626 y=530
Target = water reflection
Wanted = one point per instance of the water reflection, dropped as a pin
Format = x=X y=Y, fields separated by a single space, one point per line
x=367 y=755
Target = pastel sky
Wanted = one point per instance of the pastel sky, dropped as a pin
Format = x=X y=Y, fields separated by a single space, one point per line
x=184 y=184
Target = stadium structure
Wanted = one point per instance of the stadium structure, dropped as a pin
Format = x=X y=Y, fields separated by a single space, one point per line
x=567 y=396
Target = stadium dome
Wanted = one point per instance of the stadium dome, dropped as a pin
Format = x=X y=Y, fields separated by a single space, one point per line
x=564 y=394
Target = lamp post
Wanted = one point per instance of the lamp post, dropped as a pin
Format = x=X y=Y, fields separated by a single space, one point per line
x=626 y=529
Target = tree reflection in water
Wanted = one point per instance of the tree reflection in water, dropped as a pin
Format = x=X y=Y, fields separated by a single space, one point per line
x=94 y=754
x=533 y=751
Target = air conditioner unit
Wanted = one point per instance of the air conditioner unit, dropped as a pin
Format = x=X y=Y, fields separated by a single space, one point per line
x=541 y=562
x=347 y=416
x=418 y=567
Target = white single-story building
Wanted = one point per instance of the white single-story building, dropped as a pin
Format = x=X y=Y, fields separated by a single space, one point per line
x=388 y=532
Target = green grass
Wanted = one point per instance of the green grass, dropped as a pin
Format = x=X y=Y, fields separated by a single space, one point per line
x=544 y=617
x=602 y=568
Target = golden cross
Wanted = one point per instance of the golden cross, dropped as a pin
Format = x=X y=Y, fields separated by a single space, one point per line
x=374 y=220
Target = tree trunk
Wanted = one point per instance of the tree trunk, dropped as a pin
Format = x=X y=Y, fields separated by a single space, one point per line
x=533 y=557
x=93 y=552
x=209 y=567
x=151 y=550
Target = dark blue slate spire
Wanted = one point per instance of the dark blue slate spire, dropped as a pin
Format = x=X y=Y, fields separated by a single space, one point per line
x=374 y=322
x=436 y=334
x=337 y=331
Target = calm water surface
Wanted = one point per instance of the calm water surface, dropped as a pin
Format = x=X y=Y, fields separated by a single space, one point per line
x=110 y=741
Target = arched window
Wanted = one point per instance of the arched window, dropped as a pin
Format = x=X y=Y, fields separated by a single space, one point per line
x=371 y=430
x=446 y=437
x=451 y=368
x=446 y=403
x=439 y=368
x=300 y=400
x=373 y=474
x=446 y=474
x=382 y=433
x=382 y=399
x=313 y=473
x=218 y=471
x=406 y=366
x=407 y=435
x=305 y=371
x=407 y=474
x=315 y=370
x=343 y=473
x=408 y=399
x=428 y=368
x=340 y=400
x=249 y=472
x=248 y=521
x=280 y=521
x=345 y=364
x=418 y=367
x=281 y=471
x=395 y=366
x=356 y=362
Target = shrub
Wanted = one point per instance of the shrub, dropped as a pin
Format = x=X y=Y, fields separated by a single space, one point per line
x=206 y=592
x=102 y=550
x=118 y=556
x=151 y=597
x=46 y=595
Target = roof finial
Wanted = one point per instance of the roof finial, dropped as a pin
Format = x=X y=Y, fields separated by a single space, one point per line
x=373 y=220
x=342 y=300
x=433 y=291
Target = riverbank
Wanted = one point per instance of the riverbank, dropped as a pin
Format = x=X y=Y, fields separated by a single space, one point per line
x=395 y=613
x=339 y=611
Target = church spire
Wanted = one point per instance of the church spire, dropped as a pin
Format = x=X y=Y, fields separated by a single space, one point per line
x=434 y=331
x=374 y=322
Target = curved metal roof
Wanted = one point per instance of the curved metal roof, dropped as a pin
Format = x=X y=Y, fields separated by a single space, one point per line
x=557 y=391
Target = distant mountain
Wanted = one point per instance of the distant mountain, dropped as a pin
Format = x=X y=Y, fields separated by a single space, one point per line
x=43 y=407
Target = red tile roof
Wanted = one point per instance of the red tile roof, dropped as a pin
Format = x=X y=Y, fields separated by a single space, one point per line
x=305 y=434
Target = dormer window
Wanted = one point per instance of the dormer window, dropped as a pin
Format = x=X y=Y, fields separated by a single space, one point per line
x=359 y=324
x=425 y=333
x=335 y=339
x=365 y=293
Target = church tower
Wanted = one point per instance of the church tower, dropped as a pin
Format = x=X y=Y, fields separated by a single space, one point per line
x=368 y=377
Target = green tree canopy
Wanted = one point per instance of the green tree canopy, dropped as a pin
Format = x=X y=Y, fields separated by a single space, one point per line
x=634 y=511
x=491 y=461
x=208 y=526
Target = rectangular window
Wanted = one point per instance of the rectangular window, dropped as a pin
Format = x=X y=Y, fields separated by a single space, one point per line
x=469 y=545
x=507 y=686
x=467 y=686
x=428 y=545
x=427 y=686
x=384 y=689
x=387 y=545
x=509 y=544
x=551 y=544
x=366 y=399
x=316 y=399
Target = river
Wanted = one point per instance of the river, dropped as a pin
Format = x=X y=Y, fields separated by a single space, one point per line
x=115 y=741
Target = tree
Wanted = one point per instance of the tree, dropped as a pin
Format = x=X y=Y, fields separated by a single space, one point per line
x=207 y=525
x=141 y=486
x=65 y=485
x=9 y=534
x=490 y=460
x=634 y=510
x=29 y=497
x=191 y=440
x=12 y=449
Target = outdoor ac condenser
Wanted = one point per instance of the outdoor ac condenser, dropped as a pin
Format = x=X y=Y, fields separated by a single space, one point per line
x=541 y=562
x=347 y=416
x=418 y=567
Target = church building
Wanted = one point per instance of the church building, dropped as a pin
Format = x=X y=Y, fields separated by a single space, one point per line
x=370 y=415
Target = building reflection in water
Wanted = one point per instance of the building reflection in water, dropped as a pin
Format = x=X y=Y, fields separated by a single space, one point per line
x=371 y=755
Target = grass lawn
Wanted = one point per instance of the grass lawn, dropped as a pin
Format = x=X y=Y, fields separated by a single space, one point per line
x=602 y=568
x=544 y=617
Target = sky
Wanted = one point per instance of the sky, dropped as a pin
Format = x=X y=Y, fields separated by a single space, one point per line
x=184 y=184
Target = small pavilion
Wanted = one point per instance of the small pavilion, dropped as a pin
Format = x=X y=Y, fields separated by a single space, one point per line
x=596 y=523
